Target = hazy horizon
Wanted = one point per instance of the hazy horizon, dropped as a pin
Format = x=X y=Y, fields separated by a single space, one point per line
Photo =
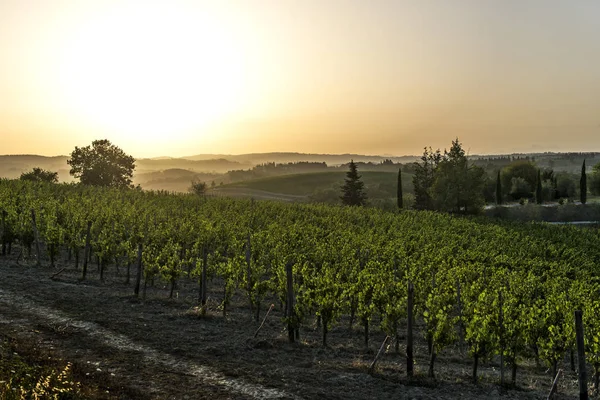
x=180 y=78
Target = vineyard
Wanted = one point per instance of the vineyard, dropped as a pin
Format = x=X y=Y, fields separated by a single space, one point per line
x=488 y=292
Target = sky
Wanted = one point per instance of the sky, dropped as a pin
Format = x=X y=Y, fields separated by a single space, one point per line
x=389 y=77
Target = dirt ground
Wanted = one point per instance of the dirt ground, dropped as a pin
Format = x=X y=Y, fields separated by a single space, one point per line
x=162 y=349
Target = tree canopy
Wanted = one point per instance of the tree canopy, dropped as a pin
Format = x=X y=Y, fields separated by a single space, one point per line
x=40 y=175
x=519 y=179
x=594 y=180
x=457 y=186
x=353 y=193
x=102 y=164
x=199 y=188
x=424 y=178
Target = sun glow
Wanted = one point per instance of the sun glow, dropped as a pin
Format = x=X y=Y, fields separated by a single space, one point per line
x=153 y=72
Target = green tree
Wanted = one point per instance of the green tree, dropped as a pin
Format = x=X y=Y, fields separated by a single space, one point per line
x=498 y=189
x=353 y=193
x=102 y=164
x=566 y=185
x=595 y=180
x=583 y=185
x=198 y=188
x=538 y=188
x=40 y=175
x=458 y=186
x=399 y=195
x=519 y=169
x=424 y=178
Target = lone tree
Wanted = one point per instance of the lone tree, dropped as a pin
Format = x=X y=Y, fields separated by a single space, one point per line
x=198 y=188
x=40 y=175
x=353 y=190
x=583 y=185
x=102 y=164
x=399 y=194
x=458 y=185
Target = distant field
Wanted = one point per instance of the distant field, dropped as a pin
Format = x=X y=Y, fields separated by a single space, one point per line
x=307 y=184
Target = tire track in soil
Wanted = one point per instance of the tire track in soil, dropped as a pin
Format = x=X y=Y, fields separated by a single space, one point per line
x=117 y=341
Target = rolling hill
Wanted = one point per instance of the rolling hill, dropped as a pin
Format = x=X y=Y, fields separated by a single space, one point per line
x=319 y=186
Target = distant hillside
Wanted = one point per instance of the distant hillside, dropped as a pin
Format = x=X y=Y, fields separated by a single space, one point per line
x=11 y=166
x=330 y=159
x=174 y=180
x=320 y=186
x=211 y=165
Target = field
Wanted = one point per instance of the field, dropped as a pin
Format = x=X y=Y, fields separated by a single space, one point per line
x=211 y=268
x=319 y=186
x=124 y=348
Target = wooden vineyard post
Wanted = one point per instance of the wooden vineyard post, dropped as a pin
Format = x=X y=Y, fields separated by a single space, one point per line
x=86 y=250
x=372 y=366
x=138 y=278
x=203 y=294
x=291 y=315
x=249 y=272
x=409 y=332
x=554 y=385
x=37 y=239
x=583 y=393
x=461 y=339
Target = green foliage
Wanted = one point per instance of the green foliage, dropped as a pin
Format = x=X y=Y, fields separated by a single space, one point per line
x=102 y=164
x=21 y=380
x=538 y=188
x=594 y=180
x=353 y=193
x=457 y=186
x=519 y=188
x=519 y=282
x=40 y=175
x=400 y=200
x=565 y=186
x=424 y=178
x=521 y=170
x=198 y=188
x=498 y=192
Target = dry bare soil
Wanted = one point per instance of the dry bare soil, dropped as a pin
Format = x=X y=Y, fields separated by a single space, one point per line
x=161 y=348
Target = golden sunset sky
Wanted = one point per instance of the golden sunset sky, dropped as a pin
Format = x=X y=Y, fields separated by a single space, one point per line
x=324 y=76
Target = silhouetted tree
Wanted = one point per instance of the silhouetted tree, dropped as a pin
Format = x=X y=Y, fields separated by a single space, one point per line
x=458 y=186
x=399 y=194
x=538 y=188
x=498 y=189
x=198 y=188
x=583 y=185
x=102 y=164
x=424 y=178
x=353 y=190
x=40 y=175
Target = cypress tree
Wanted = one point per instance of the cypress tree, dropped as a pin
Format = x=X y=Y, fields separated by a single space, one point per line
x=538 y=188
x=353 y=190
x=583 y=185
x=400 y=201
x=498 y=189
